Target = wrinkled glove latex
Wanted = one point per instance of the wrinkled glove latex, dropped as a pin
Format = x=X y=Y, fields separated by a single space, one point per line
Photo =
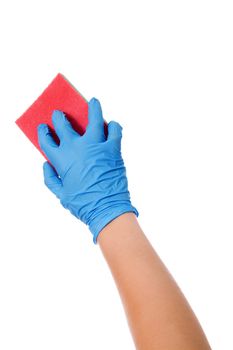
x=90 y=178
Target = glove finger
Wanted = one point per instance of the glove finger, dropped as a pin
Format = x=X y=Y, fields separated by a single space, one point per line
x=51 y=179
x=62 y=126
x=114 y=131
x=95 y=127
x=46 y=141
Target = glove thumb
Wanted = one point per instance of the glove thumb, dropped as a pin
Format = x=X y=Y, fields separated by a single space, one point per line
x=51 y=179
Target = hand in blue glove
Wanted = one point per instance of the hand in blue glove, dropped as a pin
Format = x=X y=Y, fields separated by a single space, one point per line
x=90 y=178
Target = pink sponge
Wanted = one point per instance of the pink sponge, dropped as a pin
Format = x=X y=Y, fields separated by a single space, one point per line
x=60 y=94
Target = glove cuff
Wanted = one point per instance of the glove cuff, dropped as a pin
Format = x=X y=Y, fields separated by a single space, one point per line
x=107 y=216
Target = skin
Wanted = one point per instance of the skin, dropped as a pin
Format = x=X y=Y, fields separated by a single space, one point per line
x=158 y=314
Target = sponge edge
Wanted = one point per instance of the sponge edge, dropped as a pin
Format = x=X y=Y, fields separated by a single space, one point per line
x=59 y=95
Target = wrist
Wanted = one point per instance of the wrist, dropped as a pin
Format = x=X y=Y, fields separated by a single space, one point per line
x=108 y=215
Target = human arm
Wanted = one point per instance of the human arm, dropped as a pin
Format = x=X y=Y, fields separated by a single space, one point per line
x=89 y=177
x=158 y=314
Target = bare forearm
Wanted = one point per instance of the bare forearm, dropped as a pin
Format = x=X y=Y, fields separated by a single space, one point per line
x=158 y=314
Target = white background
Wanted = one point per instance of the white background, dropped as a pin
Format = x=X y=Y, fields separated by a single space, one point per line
x=163 y=69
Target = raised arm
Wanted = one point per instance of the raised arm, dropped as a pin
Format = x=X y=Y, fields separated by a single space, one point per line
x=158 y=314
x=89 y=177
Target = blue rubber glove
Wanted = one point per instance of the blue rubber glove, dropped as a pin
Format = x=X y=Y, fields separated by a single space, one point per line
x=90 y=178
